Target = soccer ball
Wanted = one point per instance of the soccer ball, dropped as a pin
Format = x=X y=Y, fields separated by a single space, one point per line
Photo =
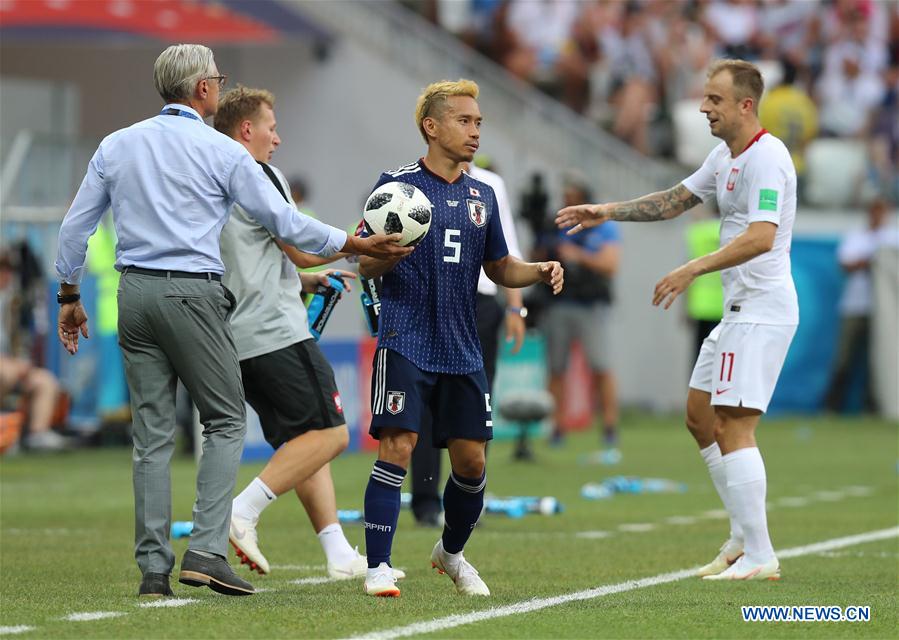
x=398 y=207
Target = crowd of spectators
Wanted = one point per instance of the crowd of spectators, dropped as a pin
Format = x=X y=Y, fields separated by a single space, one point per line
x=627 y=64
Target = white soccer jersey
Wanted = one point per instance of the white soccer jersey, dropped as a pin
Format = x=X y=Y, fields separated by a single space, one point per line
x=485 y=284
x=759 y=185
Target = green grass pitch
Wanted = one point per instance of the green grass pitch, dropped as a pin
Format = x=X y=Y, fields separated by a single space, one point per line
x=66 y=532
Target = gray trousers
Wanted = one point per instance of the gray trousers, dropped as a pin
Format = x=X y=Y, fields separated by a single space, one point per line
x=172 y=328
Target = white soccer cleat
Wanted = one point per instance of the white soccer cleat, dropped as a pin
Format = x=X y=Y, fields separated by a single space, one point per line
x=743 y=569
x=242 y=536
x=381 y=582
x=356 y=567
x=730 y=552
x=468 y=582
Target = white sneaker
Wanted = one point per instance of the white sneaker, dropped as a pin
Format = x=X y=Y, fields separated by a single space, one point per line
x=242 y=536
x=356 y=567
x=730 y=552
x=743 y=569
x=381 y=582
x=46 y=441
x=468 y=582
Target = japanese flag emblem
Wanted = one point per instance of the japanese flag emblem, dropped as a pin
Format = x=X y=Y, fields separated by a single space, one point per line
x=396 y=401
x=477 y=212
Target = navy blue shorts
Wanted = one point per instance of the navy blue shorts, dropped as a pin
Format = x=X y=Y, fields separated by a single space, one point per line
x=402 y=394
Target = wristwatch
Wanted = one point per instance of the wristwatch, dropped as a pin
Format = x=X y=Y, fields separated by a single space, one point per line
x=519 y=311
x=66 y=298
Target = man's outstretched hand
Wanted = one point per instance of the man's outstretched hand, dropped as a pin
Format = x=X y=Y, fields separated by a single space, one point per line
x=384 y=247
x=583 y=216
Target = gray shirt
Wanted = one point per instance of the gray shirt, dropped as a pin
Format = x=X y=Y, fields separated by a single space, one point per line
x=270 y=314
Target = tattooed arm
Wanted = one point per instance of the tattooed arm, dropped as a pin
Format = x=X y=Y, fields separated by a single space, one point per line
x=662 y=205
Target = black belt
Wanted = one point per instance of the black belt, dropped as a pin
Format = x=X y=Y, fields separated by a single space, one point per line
x=172 y=274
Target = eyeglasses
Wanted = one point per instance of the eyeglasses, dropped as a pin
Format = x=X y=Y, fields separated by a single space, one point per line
x=222 y=80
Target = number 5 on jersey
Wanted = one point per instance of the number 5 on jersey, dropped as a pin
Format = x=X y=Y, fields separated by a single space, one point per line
x=451 y=241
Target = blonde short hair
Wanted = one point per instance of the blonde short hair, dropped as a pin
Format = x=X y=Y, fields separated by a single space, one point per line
x=747 y=79
x=239 y=104
x=432 y=103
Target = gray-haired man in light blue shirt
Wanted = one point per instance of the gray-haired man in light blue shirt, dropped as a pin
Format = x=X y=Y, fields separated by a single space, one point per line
x=171 y=181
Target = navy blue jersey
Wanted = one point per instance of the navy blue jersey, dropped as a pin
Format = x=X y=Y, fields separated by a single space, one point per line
x=428 y=301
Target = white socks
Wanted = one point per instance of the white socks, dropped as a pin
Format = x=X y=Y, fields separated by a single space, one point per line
x=746 y=488
x=712 y=457
x=334 y=543
x=252 y=501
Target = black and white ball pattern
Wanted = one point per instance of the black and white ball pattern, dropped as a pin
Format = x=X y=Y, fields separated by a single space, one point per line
x=398 y=207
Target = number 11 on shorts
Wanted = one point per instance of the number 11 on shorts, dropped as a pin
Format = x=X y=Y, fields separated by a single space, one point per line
x=727 y=361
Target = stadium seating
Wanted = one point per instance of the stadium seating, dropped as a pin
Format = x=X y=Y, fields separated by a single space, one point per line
x=692 y=137
x=835 y=170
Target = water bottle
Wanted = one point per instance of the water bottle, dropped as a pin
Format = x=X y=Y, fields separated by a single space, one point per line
x=182 y=529
x=322 y=304
x=350 y=515
x=661 y=485
x=546 y=506
x=596 y=491
x=610 y=457
x=511 y=507
x=371 y=303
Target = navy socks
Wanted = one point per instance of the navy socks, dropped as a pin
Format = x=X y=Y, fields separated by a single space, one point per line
x=382 y=509
x=463 y=500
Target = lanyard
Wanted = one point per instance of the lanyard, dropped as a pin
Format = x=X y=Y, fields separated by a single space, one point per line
x=171 y=111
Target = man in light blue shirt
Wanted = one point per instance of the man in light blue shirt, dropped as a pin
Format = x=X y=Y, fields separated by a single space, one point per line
x=171 y=181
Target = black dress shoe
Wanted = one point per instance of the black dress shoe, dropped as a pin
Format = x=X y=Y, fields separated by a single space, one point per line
x=432 y=518
x=215 y=573
x=155 y=585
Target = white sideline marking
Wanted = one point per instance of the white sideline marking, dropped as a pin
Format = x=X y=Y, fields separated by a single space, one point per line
x=92 y=615
x=680 y=520
x=791 y=502
x=315 y=580
x=167 y=602
x=858 y=554
x=299 y=567
x=21 y=628
x=636 y=527
x=715 y=514
x=48 y=531
x=830 y=496
x=593 y=535
x=527 y=606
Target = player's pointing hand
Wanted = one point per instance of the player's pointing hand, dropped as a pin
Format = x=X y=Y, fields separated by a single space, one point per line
x=583 y=216
x=385 y=247
x=552 y=274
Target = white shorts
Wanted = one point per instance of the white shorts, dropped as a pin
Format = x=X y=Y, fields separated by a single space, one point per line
x=739 y=363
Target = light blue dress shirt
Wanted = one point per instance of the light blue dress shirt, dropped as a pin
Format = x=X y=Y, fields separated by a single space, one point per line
x=171 y=182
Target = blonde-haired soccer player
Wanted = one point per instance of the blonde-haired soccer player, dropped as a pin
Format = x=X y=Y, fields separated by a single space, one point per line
x=753 y=179
x=429 y=359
